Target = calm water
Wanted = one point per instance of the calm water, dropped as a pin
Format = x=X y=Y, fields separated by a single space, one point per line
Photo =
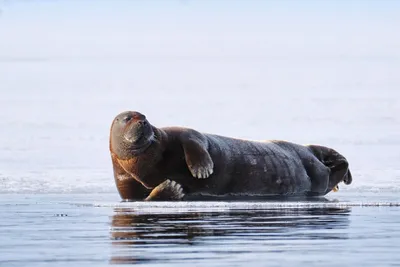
x=323 y=72
x=78 y=230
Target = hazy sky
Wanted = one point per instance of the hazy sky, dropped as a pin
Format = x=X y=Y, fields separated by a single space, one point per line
x=199 y=28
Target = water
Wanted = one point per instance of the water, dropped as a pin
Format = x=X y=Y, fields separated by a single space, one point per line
x=308 y=72
x=96 y=230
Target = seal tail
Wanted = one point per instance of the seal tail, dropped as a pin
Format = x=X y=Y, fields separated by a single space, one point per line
x=336 y=162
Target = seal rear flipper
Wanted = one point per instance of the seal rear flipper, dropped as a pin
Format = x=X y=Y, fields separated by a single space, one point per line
x=340 y=172
x=197 y=158
x=348 y=179
x=166 y=191
x=336 y=162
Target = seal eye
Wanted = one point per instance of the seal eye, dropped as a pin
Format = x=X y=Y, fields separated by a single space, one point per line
x=127 y=118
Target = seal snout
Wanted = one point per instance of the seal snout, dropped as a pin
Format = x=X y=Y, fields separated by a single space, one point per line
x=131 y=126
x=142 y=123
x=135 y=130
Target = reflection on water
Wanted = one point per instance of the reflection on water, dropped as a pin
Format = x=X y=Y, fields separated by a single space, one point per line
x=192 y=237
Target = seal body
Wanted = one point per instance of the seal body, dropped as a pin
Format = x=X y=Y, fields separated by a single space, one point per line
x=145 y=157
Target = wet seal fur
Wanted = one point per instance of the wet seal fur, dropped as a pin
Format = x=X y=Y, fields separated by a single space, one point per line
x=176 y=163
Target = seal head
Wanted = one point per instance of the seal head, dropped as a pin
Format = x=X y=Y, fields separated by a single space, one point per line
x=131 y=134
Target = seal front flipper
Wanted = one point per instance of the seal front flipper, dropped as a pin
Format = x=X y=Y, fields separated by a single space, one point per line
x=197 y=157
x=168 y=190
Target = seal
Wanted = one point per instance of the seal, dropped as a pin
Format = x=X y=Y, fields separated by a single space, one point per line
x=177 y=163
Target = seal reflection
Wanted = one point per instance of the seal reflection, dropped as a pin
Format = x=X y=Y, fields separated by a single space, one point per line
x=175 y=237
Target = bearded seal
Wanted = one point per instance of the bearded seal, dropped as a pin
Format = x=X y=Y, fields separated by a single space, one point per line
x=177 y=163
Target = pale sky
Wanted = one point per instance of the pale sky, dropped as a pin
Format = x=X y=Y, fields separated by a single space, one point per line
x=199 y=28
